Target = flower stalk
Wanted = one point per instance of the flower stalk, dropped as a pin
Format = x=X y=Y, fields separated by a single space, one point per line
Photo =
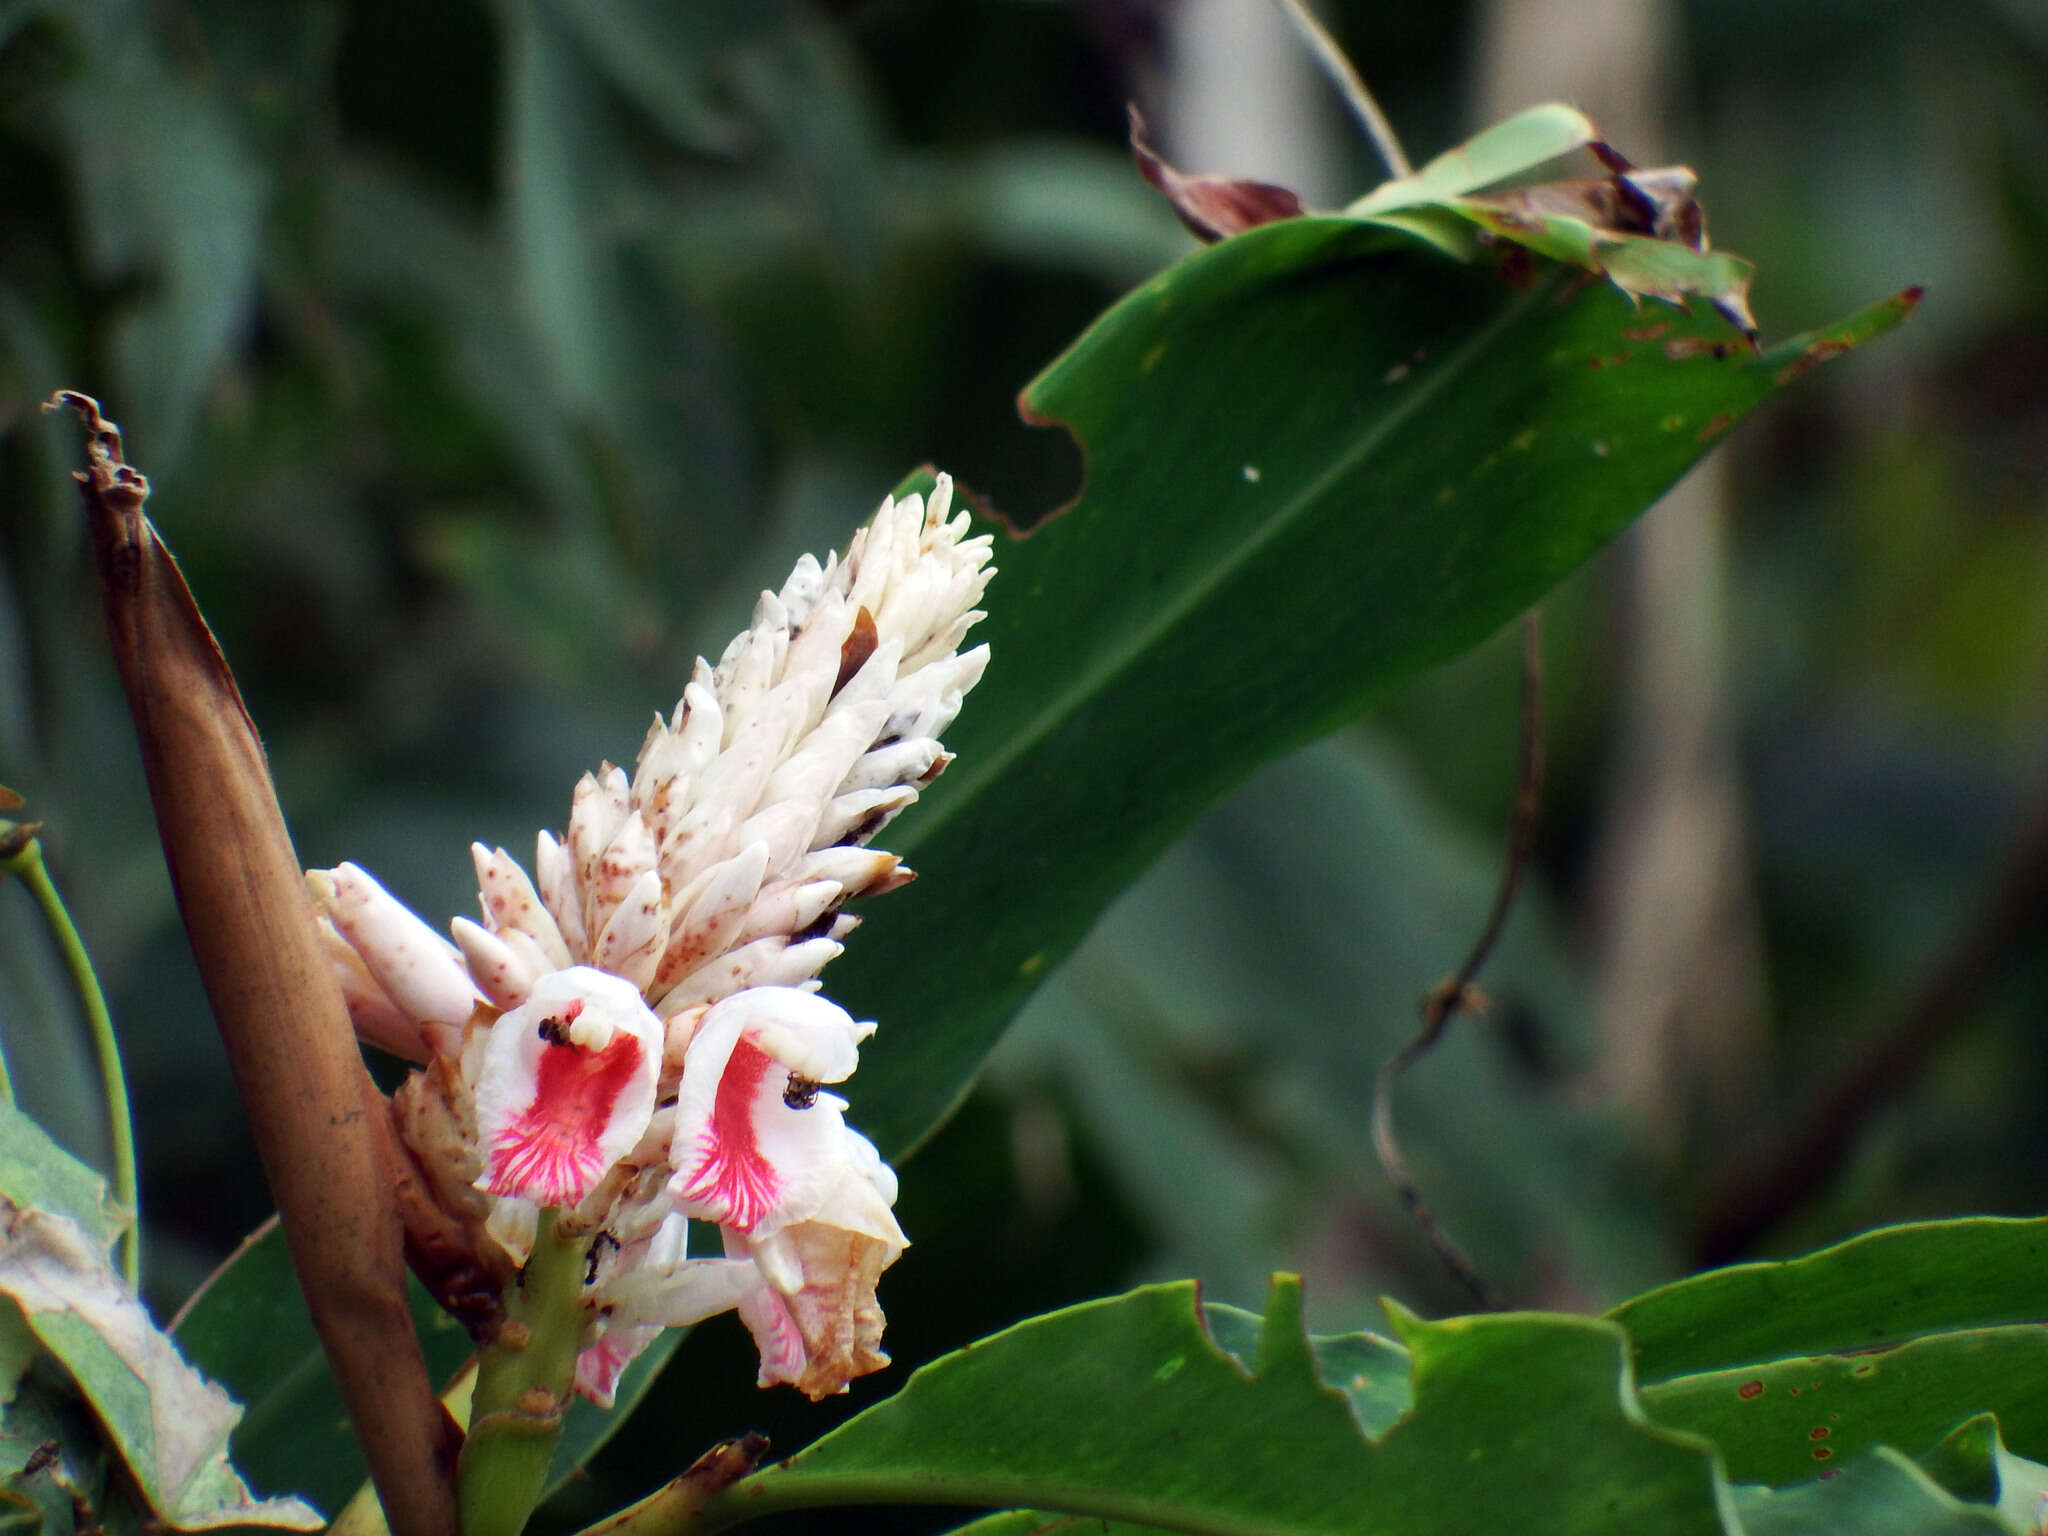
x=21 y=855
x=525 y=1378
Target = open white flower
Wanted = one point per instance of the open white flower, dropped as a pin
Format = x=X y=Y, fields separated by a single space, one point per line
x=756 y=1140
x=631 y=1034
x=567 y=1086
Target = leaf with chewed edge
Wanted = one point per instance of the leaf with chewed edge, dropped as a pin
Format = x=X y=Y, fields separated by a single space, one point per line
x=1882 y=1494
x=1889 y=1339
x=1320 y=457
x=1126 y=1409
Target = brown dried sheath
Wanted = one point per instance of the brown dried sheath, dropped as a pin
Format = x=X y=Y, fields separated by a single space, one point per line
x=319 y=1123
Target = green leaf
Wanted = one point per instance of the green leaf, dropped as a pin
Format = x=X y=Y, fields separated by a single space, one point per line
x=1319 y=458
x=1127 y=1410
x=1878 y=1493
x=35 y=1172
x=1369 y=1370
x=1575 y=222
x=1890 y=1338
x=1790 y=1419
x=1884 y=1494
x=248 y=1327
x=1973 y=1464
x=1881 y=1288
x=1506 y=150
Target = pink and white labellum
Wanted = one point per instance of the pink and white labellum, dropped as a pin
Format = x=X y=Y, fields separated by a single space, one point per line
x=567 y=1086
x=757 y=1143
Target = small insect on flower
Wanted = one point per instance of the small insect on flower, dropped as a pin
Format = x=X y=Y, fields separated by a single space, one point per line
x=553 y=1030
x=801 y=1092
x=632 y=1036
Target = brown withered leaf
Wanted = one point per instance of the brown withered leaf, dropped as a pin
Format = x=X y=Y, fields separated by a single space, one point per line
x=1212 y=207
x=319 y=1123
x=1627 y=201
x=1637 y=228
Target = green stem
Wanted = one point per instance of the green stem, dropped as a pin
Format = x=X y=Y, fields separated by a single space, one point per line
x=523 y=1381
x=24 y=858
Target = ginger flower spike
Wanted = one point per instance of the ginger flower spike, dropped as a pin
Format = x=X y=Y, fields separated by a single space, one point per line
x=632 y=1037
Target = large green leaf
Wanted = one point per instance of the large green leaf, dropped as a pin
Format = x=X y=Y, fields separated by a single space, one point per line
x=1883 y=1287
x=249 y=1328
x=1972 y=1463
x=1968 y=1482
x=1884 y=1494
x=1320 y=457
x=1126 y=1409
x=1790 y=1419
x=1372 y=1371
x=1888 y=1339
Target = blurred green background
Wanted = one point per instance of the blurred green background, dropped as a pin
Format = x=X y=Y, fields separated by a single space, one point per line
x=487 y=357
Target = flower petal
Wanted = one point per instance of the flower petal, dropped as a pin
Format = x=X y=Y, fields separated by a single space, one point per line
x=510 y=901
x=418 y=969
x=633 y=936
x=628 y=857
x=714 y=915
x=567 y=1086
x=599 y=1367
x=816 y=1321
x=769 y=962
x=554 y=870
x=501 y=972
x=757 y=1145
x=377 y=1019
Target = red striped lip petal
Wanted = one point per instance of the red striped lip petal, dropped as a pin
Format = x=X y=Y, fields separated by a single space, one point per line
x=729 y=1171
x=567 y=1086
x=757 y=1144
x=552 y=1151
